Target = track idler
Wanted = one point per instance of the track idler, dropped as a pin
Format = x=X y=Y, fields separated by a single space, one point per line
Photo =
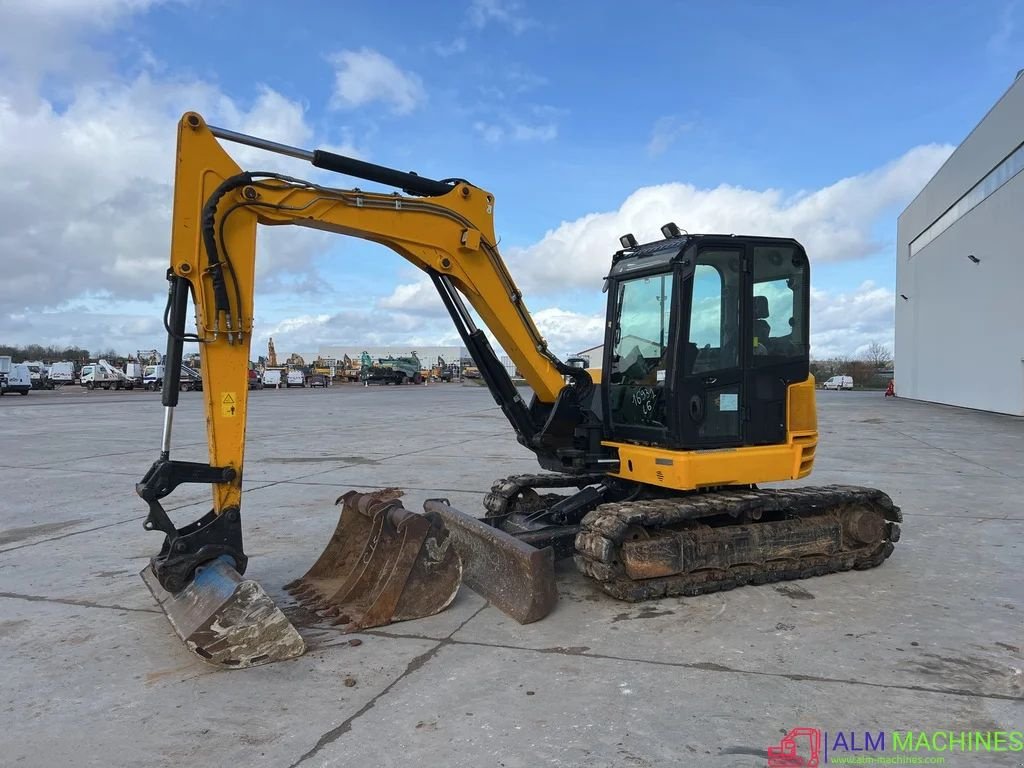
x=383 y=564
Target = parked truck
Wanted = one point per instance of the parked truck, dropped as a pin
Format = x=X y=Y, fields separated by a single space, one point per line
x=153 y=378
x=391 y=370
x=102 y=374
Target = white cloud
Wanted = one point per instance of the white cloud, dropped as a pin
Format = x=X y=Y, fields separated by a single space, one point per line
x=40 y=37
x=87 y=209
x=366 y=76
x=835 y=223
x=417 y=298
x=85 y=212
x=512 y=130
x=664 y=134
x=999 y=42
x=844 y=323
x=123 y=331
x=372 y=327
x=568 y=332
x=507 y=13
x=444 y=50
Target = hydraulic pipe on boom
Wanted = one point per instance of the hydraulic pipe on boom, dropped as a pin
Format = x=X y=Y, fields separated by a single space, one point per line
x=443 y=227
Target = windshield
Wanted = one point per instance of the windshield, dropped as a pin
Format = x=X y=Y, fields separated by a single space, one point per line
x=639 y=362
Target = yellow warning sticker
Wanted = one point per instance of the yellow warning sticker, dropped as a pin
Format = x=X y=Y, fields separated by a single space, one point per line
x=228 y=404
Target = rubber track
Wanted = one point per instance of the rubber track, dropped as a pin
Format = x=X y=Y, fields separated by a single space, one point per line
x=611 y=521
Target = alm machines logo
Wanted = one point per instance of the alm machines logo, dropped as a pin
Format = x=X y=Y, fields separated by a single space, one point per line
x=800 y=748
x=813 y=747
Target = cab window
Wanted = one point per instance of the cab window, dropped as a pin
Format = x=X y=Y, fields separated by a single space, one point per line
x=639 y=360
x=714 y=313
x=780 y=321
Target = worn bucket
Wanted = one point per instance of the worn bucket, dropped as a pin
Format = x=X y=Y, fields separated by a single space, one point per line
x=383 y=564
x=226 y=620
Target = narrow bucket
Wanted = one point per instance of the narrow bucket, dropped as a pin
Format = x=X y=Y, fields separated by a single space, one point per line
x=383 y=564
x=226 y=620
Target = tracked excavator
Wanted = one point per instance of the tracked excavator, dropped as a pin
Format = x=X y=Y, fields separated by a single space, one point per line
x=652 y=464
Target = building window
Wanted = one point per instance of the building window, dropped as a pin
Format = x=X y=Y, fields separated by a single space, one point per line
x=998 y=176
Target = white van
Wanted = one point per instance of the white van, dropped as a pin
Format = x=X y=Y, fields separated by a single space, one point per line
x=295 y=379
x=38 y=371
x=272 y=378
x=839 y=382
x=18 y=379
x=62 y=372
x=136 y=372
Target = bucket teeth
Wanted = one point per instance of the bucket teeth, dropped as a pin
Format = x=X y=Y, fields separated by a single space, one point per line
x=383 y=564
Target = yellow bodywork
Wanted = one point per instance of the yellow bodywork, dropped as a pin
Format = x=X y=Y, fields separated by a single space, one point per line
x=453 y=235
x=689 y=470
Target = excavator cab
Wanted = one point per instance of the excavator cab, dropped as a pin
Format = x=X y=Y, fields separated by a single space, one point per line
x=692 y=362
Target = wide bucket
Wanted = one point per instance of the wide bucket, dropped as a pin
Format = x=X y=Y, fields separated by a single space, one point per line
x=383 y=564
x=226 y=620
x=515 y=577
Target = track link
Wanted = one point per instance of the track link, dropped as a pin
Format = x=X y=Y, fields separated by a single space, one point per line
x=712 y=527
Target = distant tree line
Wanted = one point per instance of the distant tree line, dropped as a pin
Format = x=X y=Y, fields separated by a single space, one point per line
x=51 y=354
x=870 y=370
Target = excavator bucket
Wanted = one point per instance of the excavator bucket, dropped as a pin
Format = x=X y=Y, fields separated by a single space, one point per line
x=515 y=577
x=226 y=620
x=383 y=564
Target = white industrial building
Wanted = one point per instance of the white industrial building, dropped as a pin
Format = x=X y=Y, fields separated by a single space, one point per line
x=960 y=272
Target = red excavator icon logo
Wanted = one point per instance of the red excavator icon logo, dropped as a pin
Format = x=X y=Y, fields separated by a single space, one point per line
x=800 y=748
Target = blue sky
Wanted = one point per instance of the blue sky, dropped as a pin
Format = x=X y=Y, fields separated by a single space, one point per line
x=584 y=119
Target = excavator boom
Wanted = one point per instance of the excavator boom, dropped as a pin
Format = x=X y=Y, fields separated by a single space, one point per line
x=384 y=563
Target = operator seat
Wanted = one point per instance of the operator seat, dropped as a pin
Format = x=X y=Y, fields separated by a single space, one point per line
x=761 y=328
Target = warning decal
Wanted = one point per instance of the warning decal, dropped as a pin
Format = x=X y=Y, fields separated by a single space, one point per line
x=228 y=401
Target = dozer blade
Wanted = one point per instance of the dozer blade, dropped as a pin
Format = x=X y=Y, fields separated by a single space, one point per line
x=226 y=620
x=383 y=564
x=517 y=578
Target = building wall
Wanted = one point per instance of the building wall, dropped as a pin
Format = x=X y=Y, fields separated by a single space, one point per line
x=960 y=331
x=596 y=355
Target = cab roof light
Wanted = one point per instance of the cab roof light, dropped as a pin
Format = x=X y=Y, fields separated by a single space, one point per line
x=670 y=230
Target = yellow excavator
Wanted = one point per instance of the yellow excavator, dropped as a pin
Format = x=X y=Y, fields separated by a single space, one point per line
x=652 y=463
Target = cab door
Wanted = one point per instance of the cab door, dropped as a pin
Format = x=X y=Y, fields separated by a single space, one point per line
x=639 y=358
x=712 y=382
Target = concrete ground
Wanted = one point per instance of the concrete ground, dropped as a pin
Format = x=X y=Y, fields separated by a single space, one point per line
x=93 y=675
